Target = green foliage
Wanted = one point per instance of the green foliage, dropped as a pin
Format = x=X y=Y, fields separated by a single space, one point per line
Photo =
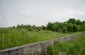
x=83 y=26
x=24 y=34
x=73 y=47
x=49 y=26
x=43 y=27
x=11 y=37
x=78 y=22
x=72 y=20
x=31 y=28
x=71 y=25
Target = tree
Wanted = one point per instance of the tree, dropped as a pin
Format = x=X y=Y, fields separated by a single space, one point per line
x=64 y=27
x=83 y=26
x=55 y=27
x=78 y=22
x=49 y=26
x=43 y=27
x=72 y=20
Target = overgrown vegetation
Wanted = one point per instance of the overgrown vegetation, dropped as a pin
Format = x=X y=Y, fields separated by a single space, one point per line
x=24 y=34
x=15 y=37
x=71 y=25
x=73 y=47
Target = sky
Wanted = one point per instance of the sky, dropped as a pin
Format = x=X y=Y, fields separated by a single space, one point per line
x=39 y=12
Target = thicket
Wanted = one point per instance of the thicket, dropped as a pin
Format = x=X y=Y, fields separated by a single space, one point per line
x=72 y=25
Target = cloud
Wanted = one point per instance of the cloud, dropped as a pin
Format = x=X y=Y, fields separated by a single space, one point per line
x=39 y=12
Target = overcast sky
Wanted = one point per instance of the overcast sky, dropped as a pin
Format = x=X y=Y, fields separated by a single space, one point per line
x=39 y=12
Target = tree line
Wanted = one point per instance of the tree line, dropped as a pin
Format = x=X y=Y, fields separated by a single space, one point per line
x=72 y=25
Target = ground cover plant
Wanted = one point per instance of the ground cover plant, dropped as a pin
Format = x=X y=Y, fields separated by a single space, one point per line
x=15 y=37
x=73 y=47
x=25 y=34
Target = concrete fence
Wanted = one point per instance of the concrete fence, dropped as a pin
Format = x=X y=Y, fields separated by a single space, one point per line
x=38 y=48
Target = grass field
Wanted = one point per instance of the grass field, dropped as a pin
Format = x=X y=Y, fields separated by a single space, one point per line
x=73 y=47
x=16 y=37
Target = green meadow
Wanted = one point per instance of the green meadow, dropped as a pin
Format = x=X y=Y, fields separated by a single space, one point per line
x=73 y=47
x=10 y=37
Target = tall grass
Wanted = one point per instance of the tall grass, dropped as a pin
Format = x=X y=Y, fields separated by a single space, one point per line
x=15 y=37
x=73 y=47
